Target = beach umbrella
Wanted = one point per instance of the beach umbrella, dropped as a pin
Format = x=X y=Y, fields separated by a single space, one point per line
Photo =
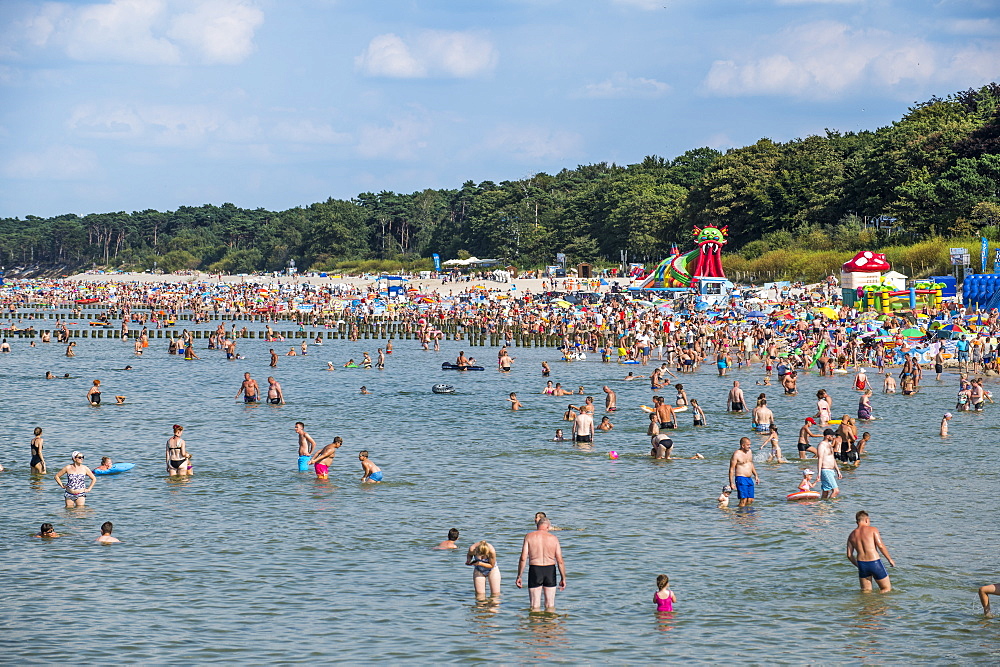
x=954 y=327
x=756 y=313
x=562 y=303
x=912 y=333
x=828 y=312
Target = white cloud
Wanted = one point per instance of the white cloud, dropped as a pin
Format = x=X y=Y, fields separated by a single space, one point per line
x=147 y=32
x=402 y=140
x=533 y=143
x=387 y=55
x=621 y=85
x=220 y=31
x=60 y=163
x=824 y=59
x=431 y=53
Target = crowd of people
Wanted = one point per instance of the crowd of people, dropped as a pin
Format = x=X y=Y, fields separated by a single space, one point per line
x=673 y=340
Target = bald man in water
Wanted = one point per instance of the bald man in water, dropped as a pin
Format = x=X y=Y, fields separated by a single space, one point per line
x=541 y=548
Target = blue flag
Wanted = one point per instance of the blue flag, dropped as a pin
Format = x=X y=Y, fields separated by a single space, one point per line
x=984 y=249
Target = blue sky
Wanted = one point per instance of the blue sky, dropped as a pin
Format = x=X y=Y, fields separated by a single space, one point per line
x=135 y=104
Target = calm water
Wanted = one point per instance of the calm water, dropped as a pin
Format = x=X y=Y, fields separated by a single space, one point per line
x=252 y=561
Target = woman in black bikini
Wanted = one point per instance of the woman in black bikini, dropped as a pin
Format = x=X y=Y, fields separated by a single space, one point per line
x=177 y=454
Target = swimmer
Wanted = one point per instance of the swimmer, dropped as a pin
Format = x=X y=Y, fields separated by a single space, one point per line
x=366 y=360
x=545 y=369
x=364 y=390
x=772 y=439
x=106 y=463
x=373 y=474
x=75 y=489
x=249 y=389
x=119 y=400
x=889 y=385
x=944 y=424
x=610 y=400
x=324 y=458
x=514 y=403
x=291 y=352
x=306 y=446
x=329 y=366
x=863 y=547
x=570 y=414
x=274 y=394
x=804 y=445
x=177 y=457
x=724 y=496
x=274 y=358
x=94 y=393
x=450 y=542
x=698 y=413
x=559 y=436
x=47 y=531
x=605 y=424
x=664 y=598
x=106 y=537
x=37 y=462
x=984 y=596
x=350 y=364
x=807 y=482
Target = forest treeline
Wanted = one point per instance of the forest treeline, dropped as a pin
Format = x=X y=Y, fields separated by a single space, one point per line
x=933 y=173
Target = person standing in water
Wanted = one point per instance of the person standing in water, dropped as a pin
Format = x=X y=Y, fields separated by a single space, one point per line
x=483 y=559
x=75 y=489
x=274 y=394
x=94 y=393
x=306 y=446
x=863 y=547
x=542 y=550
x=177 y=456
x=249 y=389
x=324 y=458
x=742 y=473
x=373 y=474
x=37 y=458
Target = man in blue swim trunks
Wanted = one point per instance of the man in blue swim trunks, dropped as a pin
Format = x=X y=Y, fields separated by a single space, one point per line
x=742 y=473
x=306 y=446
x=863 y=547
x=826 y=463
x=373 y=474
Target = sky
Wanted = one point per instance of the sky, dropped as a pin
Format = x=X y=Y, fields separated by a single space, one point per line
x=127 y=105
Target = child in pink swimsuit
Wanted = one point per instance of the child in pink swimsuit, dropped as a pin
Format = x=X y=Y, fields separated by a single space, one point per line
x=664 y=597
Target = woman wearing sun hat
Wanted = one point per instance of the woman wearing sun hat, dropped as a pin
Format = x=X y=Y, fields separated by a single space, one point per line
x=75 y=489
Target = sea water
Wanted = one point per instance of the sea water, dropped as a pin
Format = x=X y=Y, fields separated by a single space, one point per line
x=251 y=561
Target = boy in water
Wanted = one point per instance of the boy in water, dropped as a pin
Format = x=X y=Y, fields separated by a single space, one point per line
x=47 y=531
x=724 y=496
x=514 y=403
x=106 y=537
x=373 y=474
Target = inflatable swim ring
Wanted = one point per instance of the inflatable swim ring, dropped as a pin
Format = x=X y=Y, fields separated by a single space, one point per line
x=631 y=361
x=443 y=389
x=646 y=408
x=803 y=495
x=835 y=422
x=114 y=469
x=680 y=408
